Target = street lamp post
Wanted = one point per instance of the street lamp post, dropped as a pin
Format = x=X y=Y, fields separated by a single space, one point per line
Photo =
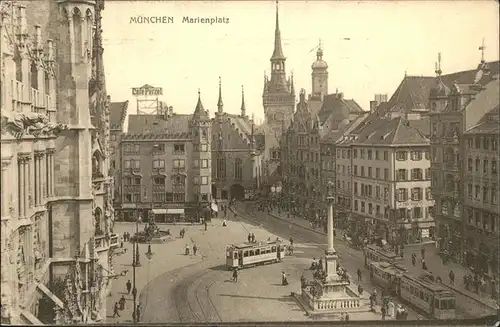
x=135 y=263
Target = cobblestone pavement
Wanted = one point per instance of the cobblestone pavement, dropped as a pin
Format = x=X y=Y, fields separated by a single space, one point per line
x=470 y=306
x=432 y=258
x=168 y=256
x=204 y=292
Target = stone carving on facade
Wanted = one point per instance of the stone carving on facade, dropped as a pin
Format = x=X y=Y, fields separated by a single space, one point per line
x=75 y=309
x=109 y=215
x=31 y=123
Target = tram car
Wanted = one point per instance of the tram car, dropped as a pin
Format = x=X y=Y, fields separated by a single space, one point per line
x=421 y=292
x=387 y=276
x=428 y=295
x=252 y=254
x=375 y=253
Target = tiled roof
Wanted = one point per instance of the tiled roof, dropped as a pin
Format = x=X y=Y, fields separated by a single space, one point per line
x=488 y=99
x=117 y=113
x=334 y=103
x=199 y=111
x=244 y=125
x=396 y=131
x=413 y=91
x=158 y=124
x=337 y=135
x=486 y=127
x=154 y=136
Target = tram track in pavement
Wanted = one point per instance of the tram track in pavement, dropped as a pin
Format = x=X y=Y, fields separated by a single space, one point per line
x=249 y=211
x=188 y=290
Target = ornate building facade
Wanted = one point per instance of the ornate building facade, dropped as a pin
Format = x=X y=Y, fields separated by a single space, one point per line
x=55 y=267
x=236 y=159
x=301 y=163
x=463 y=182
x=165 y=166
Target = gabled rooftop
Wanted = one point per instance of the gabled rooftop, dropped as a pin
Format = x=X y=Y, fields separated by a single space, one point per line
x=117 y=113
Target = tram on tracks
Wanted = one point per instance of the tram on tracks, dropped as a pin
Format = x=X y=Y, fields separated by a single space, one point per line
x=373 y=253
x=252 y=254
x=421 y=292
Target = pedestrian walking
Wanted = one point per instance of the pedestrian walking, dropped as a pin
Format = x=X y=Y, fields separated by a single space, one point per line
x=235 y=275
x=284 y=280
x=134 y=292
x=122 y=302
x=253 y=238
x=206 y=225
x=249 y=238
x=383 y=311
x=138 y=312
x=413 y=259
x=194 y=249
x=422 y=252
x=424 y=265
x=360 y=274
x=129 y=286
x=115 y=310
x=186 y=251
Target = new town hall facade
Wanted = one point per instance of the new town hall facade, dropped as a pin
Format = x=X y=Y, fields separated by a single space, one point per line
x=57 y=235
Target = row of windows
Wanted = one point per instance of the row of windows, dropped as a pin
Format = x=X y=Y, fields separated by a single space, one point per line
x=401 y=213
x=157 y=197
x=366 y=190
x=483 y=142
x=482 y=219
x=487 y=195
x=417 y=194
x=368 y=172
x=416 y=174
x=475 y=165
x=306 y=156
x=160 y=180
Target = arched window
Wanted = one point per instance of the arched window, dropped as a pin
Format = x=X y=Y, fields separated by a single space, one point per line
x=221 y=168
x=238 y=169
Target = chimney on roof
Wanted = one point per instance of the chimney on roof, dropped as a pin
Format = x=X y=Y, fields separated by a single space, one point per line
x=340 y=96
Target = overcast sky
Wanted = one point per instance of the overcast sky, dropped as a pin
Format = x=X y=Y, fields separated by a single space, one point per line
x=367 y=45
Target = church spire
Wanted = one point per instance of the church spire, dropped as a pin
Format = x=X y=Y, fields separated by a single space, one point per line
x=243 y=109
x=220 y=104
x=292 y=88
x=278 y=51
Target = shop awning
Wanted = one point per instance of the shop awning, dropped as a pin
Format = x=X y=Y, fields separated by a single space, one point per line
x=175 y=211
x=159 y=211
x=214 y=207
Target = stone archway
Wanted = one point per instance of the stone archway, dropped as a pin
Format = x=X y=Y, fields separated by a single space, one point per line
x=237 y=192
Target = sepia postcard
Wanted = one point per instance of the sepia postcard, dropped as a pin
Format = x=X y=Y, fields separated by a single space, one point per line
x=250 y=163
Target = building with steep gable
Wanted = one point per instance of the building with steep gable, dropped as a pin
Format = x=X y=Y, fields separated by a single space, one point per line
x=301 y=163
x=464 y=164
x=236 y=159
x=165 y=166
x=53 y=196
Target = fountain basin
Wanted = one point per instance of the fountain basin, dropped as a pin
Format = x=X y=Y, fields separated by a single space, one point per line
x=158 y=237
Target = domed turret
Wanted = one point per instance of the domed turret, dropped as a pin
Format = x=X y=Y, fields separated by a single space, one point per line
x=319 y=63
x=440 y=89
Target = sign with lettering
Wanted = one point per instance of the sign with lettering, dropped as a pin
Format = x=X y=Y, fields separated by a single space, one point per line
x=147 y=90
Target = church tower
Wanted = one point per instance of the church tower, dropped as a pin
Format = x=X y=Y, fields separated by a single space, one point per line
x=278 y=97
x=200 y=128
x=319 y=75
x=319 y=81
